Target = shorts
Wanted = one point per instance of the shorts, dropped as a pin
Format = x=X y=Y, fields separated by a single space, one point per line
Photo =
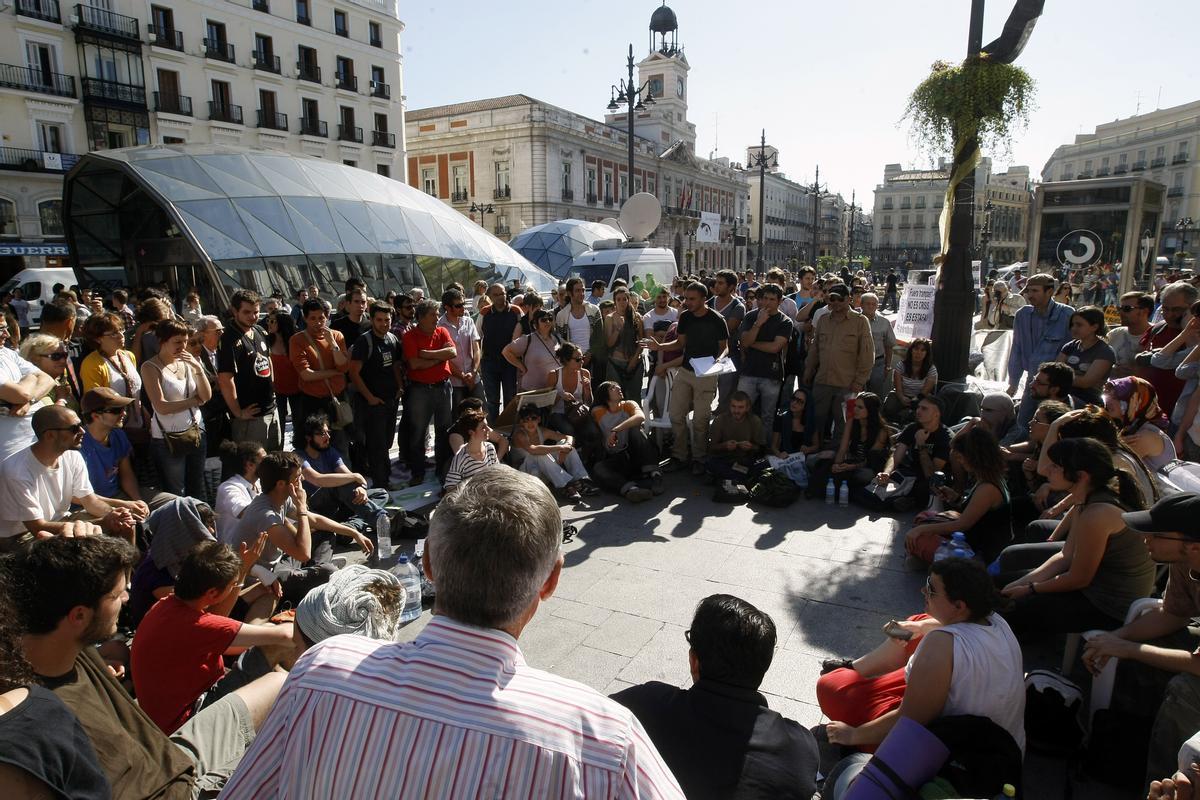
x=215 y=740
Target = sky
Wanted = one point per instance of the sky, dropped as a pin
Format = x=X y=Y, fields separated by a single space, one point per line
x=827 y=79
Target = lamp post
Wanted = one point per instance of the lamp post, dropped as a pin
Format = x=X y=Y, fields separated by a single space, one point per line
x=762 y=161
x=850 y=235
x=481 y=209
x=817 y=192
x=985 y=236
x=635 y=98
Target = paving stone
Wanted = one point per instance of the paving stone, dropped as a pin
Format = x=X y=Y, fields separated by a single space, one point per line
x=572 y=610
x=826 y=630
x=591 y=666
x=623 y=634
x=807 y=714
x=549 y=640
x=664 y=658
x=793 y=675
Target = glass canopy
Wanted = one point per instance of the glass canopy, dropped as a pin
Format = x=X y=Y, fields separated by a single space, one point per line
x=220 y=218
x=554 y=246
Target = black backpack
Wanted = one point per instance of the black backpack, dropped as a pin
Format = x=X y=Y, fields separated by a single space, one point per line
x=774 y=489
x=1053 y=707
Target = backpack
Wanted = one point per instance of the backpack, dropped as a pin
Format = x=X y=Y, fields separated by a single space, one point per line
x=388 y=337
x=983 y=756
x=774 y=489
x=730 y=492
x=1053 y=706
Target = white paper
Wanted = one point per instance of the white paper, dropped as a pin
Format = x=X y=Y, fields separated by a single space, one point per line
x=707 y=365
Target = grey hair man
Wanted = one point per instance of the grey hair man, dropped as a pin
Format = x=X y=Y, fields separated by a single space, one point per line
x=885 y=342
x=494 y=553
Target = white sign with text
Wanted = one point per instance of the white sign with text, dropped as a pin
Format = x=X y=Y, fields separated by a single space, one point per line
x=915 y=319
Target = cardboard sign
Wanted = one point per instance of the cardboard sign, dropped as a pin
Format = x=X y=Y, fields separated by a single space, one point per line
x=1112 y=316
x=915 y=319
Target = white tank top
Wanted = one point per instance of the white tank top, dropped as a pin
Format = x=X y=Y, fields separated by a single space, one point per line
x=175 y=388
x=988 y=678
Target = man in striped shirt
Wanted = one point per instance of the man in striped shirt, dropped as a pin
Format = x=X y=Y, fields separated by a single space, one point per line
x=457 y=712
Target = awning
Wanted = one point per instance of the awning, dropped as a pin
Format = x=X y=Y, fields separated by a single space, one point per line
x=39 y=249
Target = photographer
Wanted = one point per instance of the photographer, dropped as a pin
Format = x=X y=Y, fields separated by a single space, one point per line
x=1001 y=307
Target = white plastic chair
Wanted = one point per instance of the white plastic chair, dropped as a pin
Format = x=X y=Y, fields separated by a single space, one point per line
x=1102 y=684
x=658 y=423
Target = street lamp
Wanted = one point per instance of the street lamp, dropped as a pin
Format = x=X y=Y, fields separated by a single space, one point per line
x=481 y=209
x=985 y=236
x=635 y=98
x=762 y=161
x=1181 y=227
x=850 y=235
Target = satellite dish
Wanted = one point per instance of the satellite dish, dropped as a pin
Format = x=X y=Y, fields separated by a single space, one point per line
x=640 y=216
x=612 y=223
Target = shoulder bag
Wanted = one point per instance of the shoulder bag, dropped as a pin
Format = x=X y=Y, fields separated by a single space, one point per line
x=179 y=443
x=343 y=413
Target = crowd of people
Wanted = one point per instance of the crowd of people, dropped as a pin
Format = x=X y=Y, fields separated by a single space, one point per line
x=128 y=573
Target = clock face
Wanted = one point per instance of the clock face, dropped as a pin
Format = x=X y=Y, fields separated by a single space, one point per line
x=679 y=87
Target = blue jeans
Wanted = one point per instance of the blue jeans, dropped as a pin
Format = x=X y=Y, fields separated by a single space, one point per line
x=498 y=376
x=765 y=391
x=337 y=503
x=181 y=474
x=425 y=403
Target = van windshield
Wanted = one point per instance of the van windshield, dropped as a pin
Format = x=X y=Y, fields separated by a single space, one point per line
x=592 y=272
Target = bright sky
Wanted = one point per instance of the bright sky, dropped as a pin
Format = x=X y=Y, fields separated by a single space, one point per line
x=828 y=79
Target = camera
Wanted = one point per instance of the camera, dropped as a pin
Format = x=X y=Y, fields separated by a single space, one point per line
x=937 y=480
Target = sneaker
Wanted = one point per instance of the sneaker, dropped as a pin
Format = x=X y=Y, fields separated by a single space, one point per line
x=698 y=468
x=589 y=488
x=672 y=464
x=638 y=494
x=656 y=483
x=570 y=493
x=830 y=664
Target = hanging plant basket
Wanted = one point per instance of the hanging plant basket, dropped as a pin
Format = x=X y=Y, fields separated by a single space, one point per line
x=988 y=99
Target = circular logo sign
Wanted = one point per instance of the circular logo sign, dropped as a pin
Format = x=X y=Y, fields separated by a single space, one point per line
x=1080 y=248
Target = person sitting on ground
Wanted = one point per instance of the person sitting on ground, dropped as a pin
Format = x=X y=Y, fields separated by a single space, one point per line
x=862 y=451
x=40 y=484
x=1132 y=404
x=791 y=434
x=234 y=494
x=106 y=449
x=457 y=439
x=736 y=442
x=630 y=463
x=959 y=657
x=176 y=655
x=921 y=449
x=44 y=752
x=336 y=492
x=494 y=561
x=573 y=383
x=1088 y=355
x=68 y=593
x=1094 y=566
x=913 y=378
x=357 y=600
x=551 y=456
x=476 y=454
x=718 y=737
x=982 y=511
x=299 y=550
x=1022 y=461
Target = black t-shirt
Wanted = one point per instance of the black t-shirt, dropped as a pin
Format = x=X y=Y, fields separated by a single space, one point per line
x=734 y=310
x=938 y=443
x=349 y=329
x=495 y=331
x=756 y=363
x=247 y=355
x=378 y=357
x=43 y=737
x=891 y=282
x=704 y=335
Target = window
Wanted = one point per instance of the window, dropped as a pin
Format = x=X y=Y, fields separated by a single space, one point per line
x=340 y=26
x=264 y=48
x=502 y=184
x=173 y=140
x=51 y=137
x=376 y=34
x=221 y=94
x=624 y=185
x=1178 y=180
x=1104 y=163
x=384 y=170
x=1123 y=158
x=50 y=214
x=591 y=181
x=650 y=185
x=429 y=181
x=216 y=33
x=345 y=74
x=608 y=187
x=1161 y=152
x=8 y=218
x=302 y=15
x=566 y=176
x=349 y=162
x=1183 y=148
x=458 y=174
x=381 y=123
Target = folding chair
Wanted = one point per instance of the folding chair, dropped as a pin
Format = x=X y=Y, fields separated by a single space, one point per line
x=659 y=423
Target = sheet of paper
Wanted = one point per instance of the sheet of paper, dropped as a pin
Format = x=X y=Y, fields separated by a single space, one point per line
x=707 y=365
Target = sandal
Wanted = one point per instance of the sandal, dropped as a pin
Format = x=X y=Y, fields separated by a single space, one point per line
x=569 y=532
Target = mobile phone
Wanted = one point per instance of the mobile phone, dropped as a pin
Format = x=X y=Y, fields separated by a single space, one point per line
x=896 y=631
x=937 y=480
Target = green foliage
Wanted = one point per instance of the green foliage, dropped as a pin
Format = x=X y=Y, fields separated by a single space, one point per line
x=979 y=96
x=827 y=263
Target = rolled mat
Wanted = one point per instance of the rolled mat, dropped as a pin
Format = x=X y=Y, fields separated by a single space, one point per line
x=907 y=757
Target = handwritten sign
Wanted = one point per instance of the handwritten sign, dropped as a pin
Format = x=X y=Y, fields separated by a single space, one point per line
x=915 y=319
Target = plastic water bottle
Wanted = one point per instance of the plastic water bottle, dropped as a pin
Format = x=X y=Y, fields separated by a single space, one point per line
x=410 y=579
x=944 y=550
x=844 y=495
x=383 y=536
x=830 y=493
x=959 y=540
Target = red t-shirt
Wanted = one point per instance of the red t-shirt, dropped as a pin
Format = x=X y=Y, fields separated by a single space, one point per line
x=417 y=340
x=176 y=657
x=1166 y=385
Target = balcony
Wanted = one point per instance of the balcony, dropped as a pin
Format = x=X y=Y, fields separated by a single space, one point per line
x=568 y=196
x=887 y=226
x=18 y=158
x=1175 y=191
x=349 y=133
x=458 y=196
x=40 y=9
x=108 y=23
x=266 y=62
x=1158 y=162
x=347 y=82
x=1120 y=169
x=503 y=230
x=308 y=72
x=905 y=206
x=272 y=120
x=608 y=202
x=96 y=89
x=36 y=80
x=165 y=37
x=169 y=103
x=1138 y=166
x=1087 y=173
x=342 y=31
x=381 y=89
x=314 y=127
x=224 y=112
x=304 y=19
x=591 y=198
x=1180 y=158
x=218 y=49
x=502 y=194
x=888 y=207
x=261 y=5
x=1103 y=172
x=383 y=139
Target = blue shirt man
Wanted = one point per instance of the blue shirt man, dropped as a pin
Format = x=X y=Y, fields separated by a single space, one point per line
x=1040 y=329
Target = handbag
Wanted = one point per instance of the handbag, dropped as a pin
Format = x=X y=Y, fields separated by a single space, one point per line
x=576 y=411
x=343 y=412
x=180 y=443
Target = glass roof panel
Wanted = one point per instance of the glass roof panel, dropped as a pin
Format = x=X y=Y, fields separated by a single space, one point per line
x=236 y=176
x=269 y=224
x=311 y=217
x=353 y=226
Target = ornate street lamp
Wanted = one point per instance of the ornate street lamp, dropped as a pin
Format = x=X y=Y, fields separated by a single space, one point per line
x=635 y=98
x=762 y=161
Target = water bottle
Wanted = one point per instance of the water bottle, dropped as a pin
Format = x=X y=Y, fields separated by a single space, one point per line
x=383 y=536
x=844 y=495
x=959 y=540
x=1009 y=791
x=944 y=550
x=410 y=579
x=830 y=492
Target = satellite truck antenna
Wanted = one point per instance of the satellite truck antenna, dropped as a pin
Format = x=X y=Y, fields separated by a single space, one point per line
x=640 y=216
x=612 y=223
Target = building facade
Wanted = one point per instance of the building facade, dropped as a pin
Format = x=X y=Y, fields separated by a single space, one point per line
x=788 y=216
x=1161 y=145
x=304 y=76
x=513 y=162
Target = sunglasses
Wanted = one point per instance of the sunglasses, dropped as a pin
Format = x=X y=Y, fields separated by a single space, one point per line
x=928 y=587
x=76 y=428
x=457 y=305
x=57 y=356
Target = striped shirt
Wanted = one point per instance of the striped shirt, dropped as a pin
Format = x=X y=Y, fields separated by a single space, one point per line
x=464 y=465
x=456 y=713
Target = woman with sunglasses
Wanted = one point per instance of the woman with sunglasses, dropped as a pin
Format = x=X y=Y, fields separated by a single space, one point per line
x=792 y=433
x=1094 y=566
x=959 y=657
x=535 y=355
x=49 y=354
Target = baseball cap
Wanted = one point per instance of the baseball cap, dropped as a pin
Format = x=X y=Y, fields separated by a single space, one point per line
x=1174 y=514
x=102 y=397
x=1041 y=279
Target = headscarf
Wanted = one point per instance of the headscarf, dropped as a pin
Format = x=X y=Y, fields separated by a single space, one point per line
x=343 y=605
x=176 y=528
x=1139 y=404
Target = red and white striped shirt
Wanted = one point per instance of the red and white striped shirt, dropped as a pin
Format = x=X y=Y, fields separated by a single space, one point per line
x=456 y=713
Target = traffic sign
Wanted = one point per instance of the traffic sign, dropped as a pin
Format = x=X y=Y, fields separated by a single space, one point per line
x=1080 y=248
